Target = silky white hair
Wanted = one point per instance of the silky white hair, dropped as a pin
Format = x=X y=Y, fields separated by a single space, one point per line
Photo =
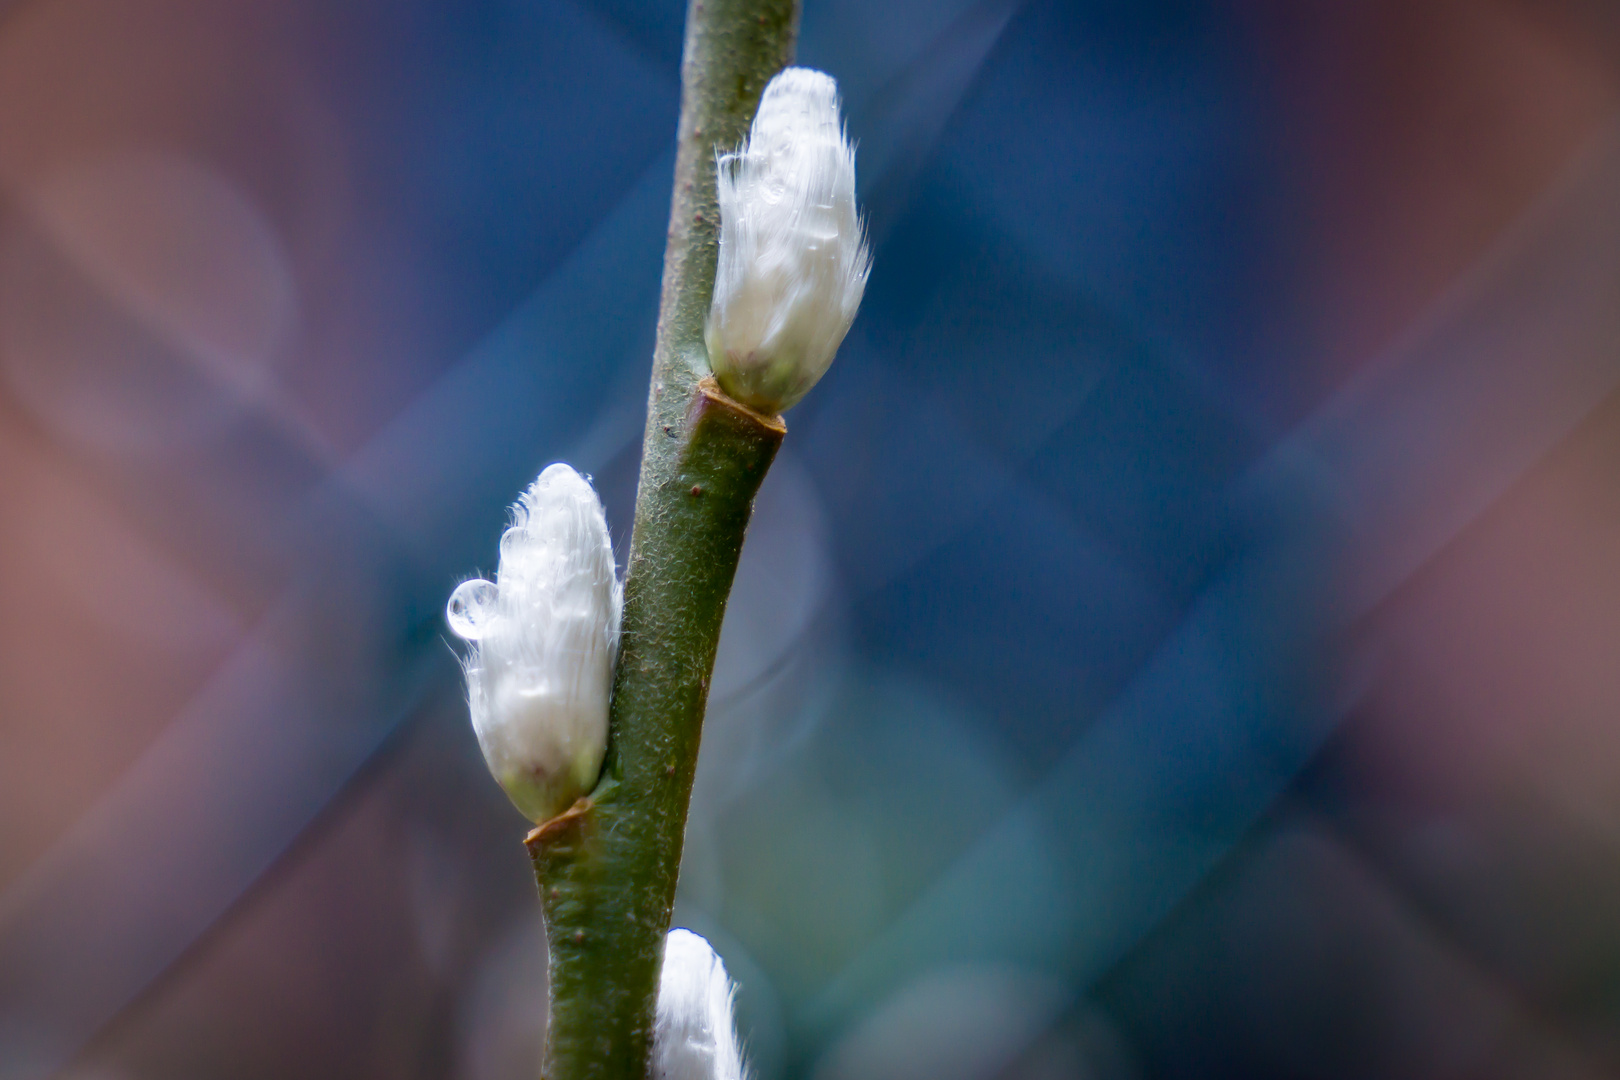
x=543 y=637
x=793 y=257
x=693 y=1034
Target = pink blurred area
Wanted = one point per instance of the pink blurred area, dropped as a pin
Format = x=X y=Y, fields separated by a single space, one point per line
x=180 y=246
x=187 y=250
x=1487 y=758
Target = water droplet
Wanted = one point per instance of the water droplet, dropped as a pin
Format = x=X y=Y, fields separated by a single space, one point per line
x=472 y=608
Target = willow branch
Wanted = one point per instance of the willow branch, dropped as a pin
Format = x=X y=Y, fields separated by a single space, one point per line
x=607 y=868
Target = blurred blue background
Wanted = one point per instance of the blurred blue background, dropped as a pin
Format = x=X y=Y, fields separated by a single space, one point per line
x=1178 y=639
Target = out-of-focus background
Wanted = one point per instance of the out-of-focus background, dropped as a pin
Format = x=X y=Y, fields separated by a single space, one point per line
x=1181 y=637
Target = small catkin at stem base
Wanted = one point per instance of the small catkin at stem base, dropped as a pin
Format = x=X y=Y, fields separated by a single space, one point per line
x=695 y=1037
x=607 y=866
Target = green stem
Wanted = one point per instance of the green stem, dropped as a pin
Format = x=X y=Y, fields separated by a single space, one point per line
x=607 y=868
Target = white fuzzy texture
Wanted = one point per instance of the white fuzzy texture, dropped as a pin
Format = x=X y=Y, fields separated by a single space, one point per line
x=693 y=1036
x=543 y=636
x=793 y=256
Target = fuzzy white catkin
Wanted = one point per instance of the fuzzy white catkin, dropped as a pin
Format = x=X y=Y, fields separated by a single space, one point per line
x=543 y=636
x=693 y=1035
x=793 y=257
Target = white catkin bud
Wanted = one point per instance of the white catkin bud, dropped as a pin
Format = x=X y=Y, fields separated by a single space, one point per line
x=793 y=257
x=543 y=637
x=693 y=1036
